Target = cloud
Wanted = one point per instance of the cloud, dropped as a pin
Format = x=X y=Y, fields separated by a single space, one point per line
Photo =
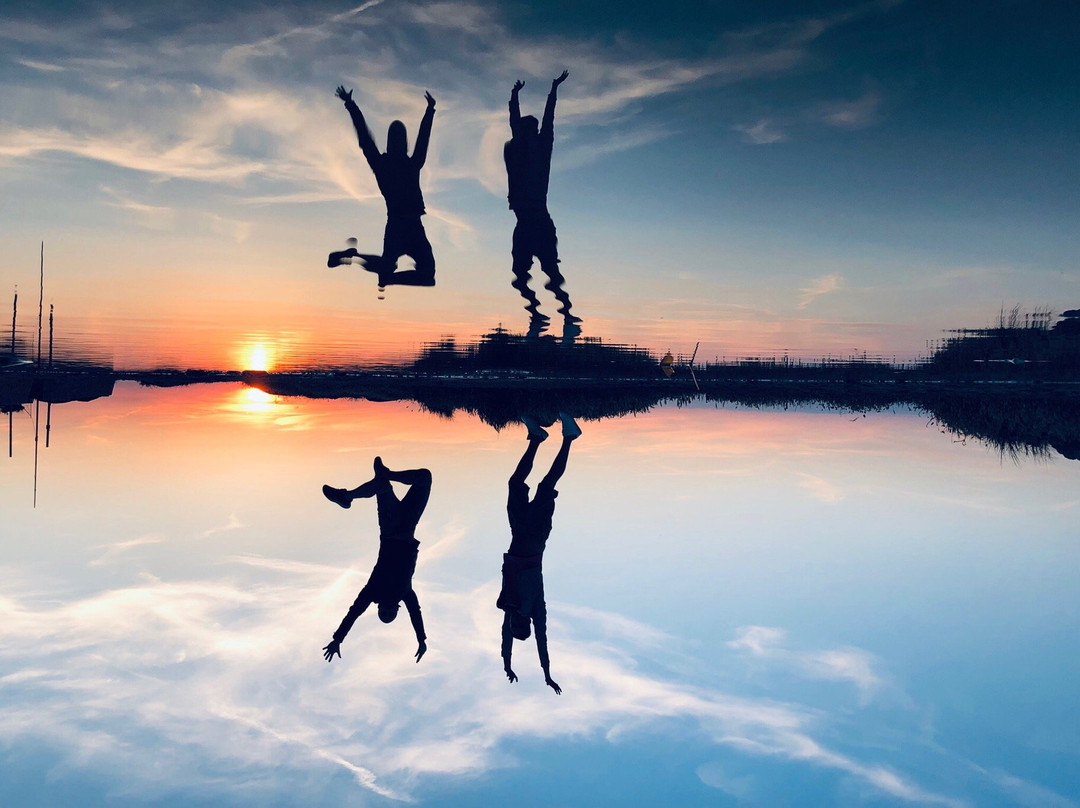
x=155 y=217
x=235 y=229
x=46 y=67
x=840 y=665
x=192 y=685
x=761 y=133
x=858 y=114
x=819 y=287
x=115 y=549
x=820 y=489
x=758 y=640
x=234 y=523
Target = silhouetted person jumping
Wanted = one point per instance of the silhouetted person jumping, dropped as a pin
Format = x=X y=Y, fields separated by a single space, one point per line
x=528 y=166
x=398 y=176
x=522 y=595
x=390 y=581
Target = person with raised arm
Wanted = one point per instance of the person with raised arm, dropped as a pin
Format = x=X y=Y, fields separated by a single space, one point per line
x=522 y=596
x=398 y=176
x=528 y=168
x=390 y=582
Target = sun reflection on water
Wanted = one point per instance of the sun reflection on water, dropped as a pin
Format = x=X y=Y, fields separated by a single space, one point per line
x=253 y=401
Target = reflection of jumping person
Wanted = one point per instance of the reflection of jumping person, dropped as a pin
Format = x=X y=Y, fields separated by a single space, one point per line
x=390 y=582
x=522 y=595
x=528 y=166
x=398 y=176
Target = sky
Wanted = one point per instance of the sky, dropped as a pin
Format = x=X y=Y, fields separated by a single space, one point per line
x=825 y=178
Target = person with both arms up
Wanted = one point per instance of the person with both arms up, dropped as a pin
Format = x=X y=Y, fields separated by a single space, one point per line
x=528 y=167
x=398 y=176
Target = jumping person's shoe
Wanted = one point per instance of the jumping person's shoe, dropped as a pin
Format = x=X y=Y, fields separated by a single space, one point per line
x=336 y=259
x=570 y=428
x=536 y=432
x=338 y=496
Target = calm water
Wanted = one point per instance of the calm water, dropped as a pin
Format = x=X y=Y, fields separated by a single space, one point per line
x=744 y=608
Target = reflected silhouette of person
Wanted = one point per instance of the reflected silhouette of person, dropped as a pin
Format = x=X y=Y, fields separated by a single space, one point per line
x=390 y=582
x=398 y=176
x=522 y=596
x=528 y=166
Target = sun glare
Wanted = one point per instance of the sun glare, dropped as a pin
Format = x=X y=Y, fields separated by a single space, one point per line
x=259 y=356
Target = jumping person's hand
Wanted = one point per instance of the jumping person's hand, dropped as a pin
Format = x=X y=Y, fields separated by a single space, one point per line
x=553 y=685
x=562 y=77
x=343 y=94
x=510 y=674
x=421 y=649
x=333 y=648
x=430 y=100
x=518 y=85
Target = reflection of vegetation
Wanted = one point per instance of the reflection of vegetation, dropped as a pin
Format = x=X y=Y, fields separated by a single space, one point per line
x=1016 y=422
x=499 y=407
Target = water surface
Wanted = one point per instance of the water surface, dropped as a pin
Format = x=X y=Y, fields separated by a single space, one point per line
x=746 y=607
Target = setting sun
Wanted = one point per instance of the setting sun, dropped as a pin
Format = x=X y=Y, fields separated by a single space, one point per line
x=259 y=357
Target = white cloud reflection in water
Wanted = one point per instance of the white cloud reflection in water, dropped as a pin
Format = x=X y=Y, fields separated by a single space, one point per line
x=167 y=684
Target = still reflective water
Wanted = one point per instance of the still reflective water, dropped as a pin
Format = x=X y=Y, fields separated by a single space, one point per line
x=744 y=607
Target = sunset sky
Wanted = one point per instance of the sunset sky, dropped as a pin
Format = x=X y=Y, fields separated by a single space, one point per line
x=820 y=177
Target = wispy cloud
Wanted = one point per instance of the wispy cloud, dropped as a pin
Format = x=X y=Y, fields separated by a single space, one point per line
x=826 y=284
x=155 y=217
x=841 y=665
x=233 y=523
x=45 y=67
x=115 y=549
x=820 y=488
x=761 y=133
x=857 y=114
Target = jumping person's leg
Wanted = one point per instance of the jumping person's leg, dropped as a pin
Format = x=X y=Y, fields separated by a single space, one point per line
x=555 y=284
x=547 y=251
x=398 y=517
x=412 y=505
x=522 y=256
x=570 y=431
x=344 y=496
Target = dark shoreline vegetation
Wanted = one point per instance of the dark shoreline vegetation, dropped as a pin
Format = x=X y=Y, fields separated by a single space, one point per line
x=1015 y=386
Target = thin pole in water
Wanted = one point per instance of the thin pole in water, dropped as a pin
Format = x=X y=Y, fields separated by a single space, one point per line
x=14 y=313
x=41 y=303
x=50 y=339
x=37 y=424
